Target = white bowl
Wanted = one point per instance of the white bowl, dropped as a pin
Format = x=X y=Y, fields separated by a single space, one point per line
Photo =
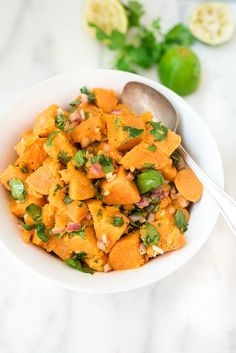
x=196 y=137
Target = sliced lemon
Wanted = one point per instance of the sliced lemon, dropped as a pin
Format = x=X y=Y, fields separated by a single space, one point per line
x=212 y=23
x=106 y=14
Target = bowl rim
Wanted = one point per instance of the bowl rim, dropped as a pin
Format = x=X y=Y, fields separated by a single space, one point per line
x=128 y=286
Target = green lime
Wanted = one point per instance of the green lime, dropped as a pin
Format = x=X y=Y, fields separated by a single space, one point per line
x=179 y=69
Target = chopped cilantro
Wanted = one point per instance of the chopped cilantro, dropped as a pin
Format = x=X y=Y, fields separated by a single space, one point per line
x=149 y=234
x=175 y=158
x=25 y=169
x=67 y=200
x=91 y=95
x=77 y=265
x=148 y=165
x=34 y=211
x=18 y=190
x=79 y=158
x=133 y=131
x=117 y=221
x=149 y=180
x=105 y=162
x=27 y=227
x=152 y=148
x=51 y=137
x=63 y=157
x=60 y=121
x=99 y=214
x=117 y=122
x=57 y=187
x=180 y=221
x=86 y=114
x=98 y=190
x=40 y=232
x=74 y=104
x=159 y=131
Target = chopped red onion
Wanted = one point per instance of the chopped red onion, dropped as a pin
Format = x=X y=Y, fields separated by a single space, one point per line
x=84 y=98
x=107 y=268
x=137 y=218
x=143 y=202
x=151 y=217
x=106 y=147
x=101 y=245
x=142 y=249
x=73 y=227
x=96 y=168
x=75 y=116
x=58 y=230
x=116 y=112
x=130 y=176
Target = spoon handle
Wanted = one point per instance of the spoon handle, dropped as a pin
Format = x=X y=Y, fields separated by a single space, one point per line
x=225 y=203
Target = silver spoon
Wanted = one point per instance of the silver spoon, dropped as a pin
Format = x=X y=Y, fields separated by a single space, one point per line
x=140 y=98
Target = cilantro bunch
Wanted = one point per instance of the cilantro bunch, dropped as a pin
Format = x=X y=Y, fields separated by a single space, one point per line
x=142 y=46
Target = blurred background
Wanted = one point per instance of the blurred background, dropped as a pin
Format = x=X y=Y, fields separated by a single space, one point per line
x=192 y=310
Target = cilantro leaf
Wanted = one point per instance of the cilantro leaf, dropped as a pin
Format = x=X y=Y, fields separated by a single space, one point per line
x=79 y=158
x=133 y=131
x=51 y=137
x=91 y=95
x=77 y=265
x=98 y=190
x=105 y=162
x=74 y=104
x=80 y=256
x=40 y=232
x=67 y=200
x=25 y=169
x=63 y=157
x=159 y=131
x=34 y=211
x=117 y=122
x=152 y=148
x=134 y=11
x=18 y=190
x=175 y=158
x=149 y=180
x=60 y=121
x=118 y=221
x=180 y=221
x=149 y=235
x=27 y=227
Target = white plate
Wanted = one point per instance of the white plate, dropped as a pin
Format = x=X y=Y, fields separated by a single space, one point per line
x=196 y=137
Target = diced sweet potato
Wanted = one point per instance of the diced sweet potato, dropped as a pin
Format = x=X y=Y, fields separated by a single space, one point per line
x=48 y=215
x=61 y=219
x=125 y=253
x=18 y=208
x=146 y=117
x=76 y=211
x=120 y=133
x=26 y=235
x=11 y=172
x=105 y=229
x=44 y=178
x=170 y=237
x=105 y=99
x=188 y=185
x=121 y=190
x=45 y=121
x=80 y=187
x=141 y=155
x=60 y=143
x=33 y=155
x=169 y=172
x=89 y=130
x=57 y=195
x=88 y=245
x=169 y=145
x=58 y=245
x=27 y=139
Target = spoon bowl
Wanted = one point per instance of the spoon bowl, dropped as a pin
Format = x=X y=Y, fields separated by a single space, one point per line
x=141 y=98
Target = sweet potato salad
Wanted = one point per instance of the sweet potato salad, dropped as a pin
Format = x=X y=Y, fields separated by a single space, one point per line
x=99 y=186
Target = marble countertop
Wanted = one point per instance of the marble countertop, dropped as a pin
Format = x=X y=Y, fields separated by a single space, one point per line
x=192 y=310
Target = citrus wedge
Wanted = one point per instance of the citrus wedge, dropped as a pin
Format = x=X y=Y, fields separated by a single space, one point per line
x=105 y=14
x=212 y=23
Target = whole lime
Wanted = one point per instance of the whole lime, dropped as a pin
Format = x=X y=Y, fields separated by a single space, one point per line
x=179 y=69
